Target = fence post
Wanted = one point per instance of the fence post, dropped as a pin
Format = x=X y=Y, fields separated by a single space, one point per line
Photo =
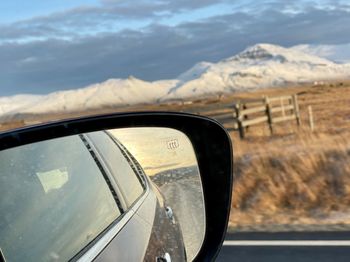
x=269 y=114
x=311 y=118
x=239 y=120
x=245 y=117
x=282 y=106
x=291 y=103
x=296 y=109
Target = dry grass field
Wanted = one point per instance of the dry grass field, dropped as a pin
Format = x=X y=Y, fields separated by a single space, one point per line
x=292 y=177
x=296 y=176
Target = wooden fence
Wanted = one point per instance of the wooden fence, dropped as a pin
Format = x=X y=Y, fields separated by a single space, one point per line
x=270 y=110
x=222 y=112
x=243 y=114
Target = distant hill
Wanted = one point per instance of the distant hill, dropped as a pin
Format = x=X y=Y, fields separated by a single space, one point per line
x=258 y=66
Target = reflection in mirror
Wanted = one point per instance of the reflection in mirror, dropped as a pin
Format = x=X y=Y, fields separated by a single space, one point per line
x=168 y=158
x=101 y=194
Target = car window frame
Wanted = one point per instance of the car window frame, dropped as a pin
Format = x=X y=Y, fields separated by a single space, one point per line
x=104 y=172
x=100 y=172
x=91 y=251
x=135 y=165
x=97 y=245
x=109 y=173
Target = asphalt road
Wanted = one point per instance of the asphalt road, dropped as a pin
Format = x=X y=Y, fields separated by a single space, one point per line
x=185 y=198
x=286 y=247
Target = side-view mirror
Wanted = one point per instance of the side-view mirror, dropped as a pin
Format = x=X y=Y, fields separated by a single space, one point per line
x=122 y=187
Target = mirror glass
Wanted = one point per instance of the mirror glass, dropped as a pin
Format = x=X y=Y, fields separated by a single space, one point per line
x=101 y=193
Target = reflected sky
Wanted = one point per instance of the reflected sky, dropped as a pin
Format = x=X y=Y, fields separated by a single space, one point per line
x=157 y=149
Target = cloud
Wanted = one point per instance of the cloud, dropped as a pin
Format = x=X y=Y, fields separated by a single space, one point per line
x=164 y=5
x=110 y=16
x=62 y=57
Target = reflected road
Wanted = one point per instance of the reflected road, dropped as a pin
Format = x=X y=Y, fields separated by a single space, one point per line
x=185 y=198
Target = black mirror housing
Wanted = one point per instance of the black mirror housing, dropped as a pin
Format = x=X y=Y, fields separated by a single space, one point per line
x=211 y=143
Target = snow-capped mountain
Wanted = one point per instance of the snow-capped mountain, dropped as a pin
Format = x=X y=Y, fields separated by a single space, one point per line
x=112 y=92
x=17 y=103
x=339 y=53
x=259 y=66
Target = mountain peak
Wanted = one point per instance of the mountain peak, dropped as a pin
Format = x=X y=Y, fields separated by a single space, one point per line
x=264 y=52
x=264 y=47
x=279 y=54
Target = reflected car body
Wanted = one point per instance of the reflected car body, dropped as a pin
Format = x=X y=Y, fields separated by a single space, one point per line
x=65 y=199
x=162 y=240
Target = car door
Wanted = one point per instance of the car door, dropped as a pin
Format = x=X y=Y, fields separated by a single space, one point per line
x=55 y=201
x=137 y=199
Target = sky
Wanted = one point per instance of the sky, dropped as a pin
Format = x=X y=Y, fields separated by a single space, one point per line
x=46 y=46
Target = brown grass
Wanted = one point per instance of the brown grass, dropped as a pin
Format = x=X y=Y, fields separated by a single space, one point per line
x=305 y=182
x=296 y=176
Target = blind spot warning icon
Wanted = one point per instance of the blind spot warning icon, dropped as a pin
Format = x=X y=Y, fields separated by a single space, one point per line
x=173 y=144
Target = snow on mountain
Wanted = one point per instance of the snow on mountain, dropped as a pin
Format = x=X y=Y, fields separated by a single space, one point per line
x=259 y=66
x=17 y=102
x=336 y=53
x=195 y=71
x=109 y=93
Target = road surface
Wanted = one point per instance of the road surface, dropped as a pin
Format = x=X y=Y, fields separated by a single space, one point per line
x=286 y=247
x=185 y=197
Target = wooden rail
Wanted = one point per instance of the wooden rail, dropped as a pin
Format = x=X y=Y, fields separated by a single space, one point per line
x=222 y=112
x=270 y=110
x=243 y=114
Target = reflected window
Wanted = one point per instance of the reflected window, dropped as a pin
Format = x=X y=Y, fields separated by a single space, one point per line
x=54 y=200
x=126 y=179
